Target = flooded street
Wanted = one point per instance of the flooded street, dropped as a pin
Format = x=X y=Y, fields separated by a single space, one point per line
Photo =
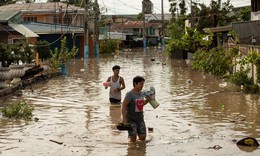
x=196 y=112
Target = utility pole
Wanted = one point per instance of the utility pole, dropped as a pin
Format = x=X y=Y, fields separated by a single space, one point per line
x=144 y=31
x=96 y=30
x=86 y=29
x=61 y=23
x=191 y=12
x=162 y=35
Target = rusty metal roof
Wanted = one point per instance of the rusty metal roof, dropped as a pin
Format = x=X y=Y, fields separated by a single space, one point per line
x=136 y=24
x=38 y=6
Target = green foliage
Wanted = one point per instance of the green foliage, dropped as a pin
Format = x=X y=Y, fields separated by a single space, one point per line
x=43 y=49
x=54 y=62
x=176 y=6
x=240 y=78
x=140 y=16
x=63 y=56
x=244 y=14
x=17 y=110
x=5 y=55
x=254 y=58
x=216 y=14
x=13 y=53
x=110 y=46
x=176 y=28
x=216 y=61
x=235 y=35
x=27 y=53
x=191 y=41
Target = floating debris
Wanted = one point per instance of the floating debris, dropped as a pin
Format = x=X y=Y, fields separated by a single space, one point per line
x=216 y=147
x=248 y=141
x=57 y=142
x=36 y=119
x=150 y=129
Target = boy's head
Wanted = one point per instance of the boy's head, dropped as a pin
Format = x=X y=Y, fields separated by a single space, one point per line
x=137 y=79
x=115 y=67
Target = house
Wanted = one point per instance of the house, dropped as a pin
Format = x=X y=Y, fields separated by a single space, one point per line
x=11 y=33
x=50 y=21
x=247 y=35
x=134 y=28
x=247 y=31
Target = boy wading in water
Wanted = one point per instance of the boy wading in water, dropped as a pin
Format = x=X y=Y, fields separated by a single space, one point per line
x=117 y=84
x=132 y=110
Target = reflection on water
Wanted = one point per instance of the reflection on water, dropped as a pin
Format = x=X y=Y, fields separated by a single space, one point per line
x=196 y=112
x=138 y=148
x=115 y=114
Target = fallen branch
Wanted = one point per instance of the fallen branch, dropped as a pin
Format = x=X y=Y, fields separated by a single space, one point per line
x=57 y=142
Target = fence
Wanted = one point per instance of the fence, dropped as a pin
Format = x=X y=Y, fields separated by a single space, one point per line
x=243 y=51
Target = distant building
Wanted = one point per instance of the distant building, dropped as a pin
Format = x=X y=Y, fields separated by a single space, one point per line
x=247 y=31
x=50 y=21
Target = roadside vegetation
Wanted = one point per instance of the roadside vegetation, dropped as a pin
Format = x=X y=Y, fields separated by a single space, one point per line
x=109 y=46
x=62 y=56
x=209 y=55
x=17 y=110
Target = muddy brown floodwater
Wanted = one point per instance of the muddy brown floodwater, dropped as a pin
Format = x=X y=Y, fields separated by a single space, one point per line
x=197 y=112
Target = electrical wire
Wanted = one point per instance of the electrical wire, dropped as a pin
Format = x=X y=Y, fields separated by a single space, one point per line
x=62 y=35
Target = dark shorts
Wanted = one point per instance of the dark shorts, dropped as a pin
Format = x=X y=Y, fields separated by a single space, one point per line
x=137 y=129
x=114 y=101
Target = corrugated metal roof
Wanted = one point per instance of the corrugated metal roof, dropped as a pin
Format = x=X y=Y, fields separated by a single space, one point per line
x=5 y=16
x=136 y=24
x=38 y=6
x=46 y=28
x=150 y=17
x=23 y=30
x=217 y=29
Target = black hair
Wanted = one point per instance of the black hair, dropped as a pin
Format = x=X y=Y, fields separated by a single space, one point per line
x=115 y=67
x=138 y=79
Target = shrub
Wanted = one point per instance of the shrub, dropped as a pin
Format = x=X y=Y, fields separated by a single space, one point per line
x=61 y=57
x=17 y=110
x=110 y=46
x=43 y=49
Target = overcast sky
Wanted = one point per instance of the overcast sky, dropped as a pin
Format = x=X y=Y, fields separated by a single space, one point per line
x=111 y=7
x=135 y=6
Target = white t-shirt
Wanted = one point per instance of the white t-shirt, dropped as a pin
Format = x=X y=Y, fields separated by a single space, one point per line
x=114 y=86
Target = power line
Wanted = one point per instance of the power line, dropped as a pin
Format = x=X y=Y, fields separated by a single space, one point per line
x=129 y=5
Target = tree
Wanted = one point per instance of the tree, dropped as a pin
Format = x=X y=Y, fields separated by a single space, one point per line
x=176 y=28
x=216 y=14
x=175 y=5
x=244 y=14
x=140 y=16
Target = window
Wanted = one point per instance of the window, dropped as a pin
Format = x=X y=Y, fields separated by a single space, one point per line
x=30 y=19
x=18 y=40
x=65 y=20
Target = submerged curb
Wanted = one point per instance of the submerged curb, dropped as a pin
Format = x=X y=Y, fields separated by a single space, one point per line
x=27 y=82
x=9 y=90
